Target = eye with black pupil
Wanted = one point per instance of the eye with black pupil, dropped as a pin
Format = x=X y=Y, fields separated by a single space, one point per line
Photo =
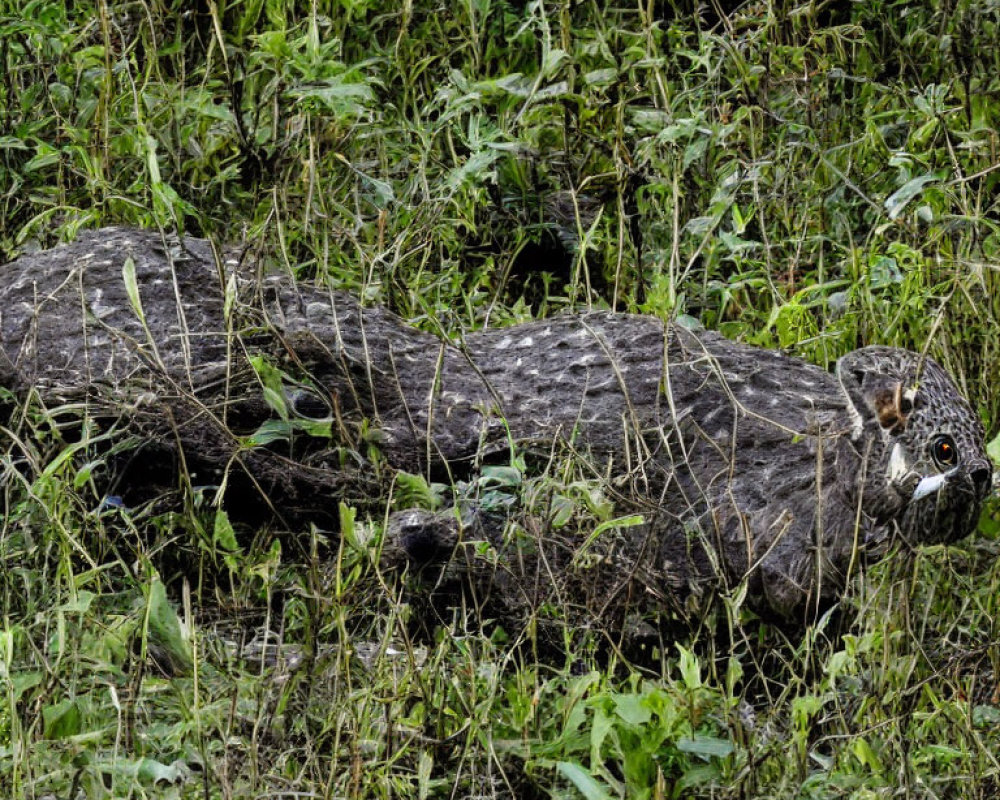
x=944 y=451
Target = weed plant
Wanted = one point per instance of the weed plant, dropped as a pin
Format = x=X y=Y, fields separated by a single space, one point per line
x=810 y=177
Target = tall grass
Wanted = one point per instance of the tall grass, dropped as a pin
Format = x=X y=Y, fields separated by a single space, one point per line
x=808 y=177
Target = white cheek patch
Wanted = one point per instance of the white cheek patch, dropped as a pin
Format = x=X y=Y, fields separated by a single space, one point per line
x=899 y=464
x=931 y=484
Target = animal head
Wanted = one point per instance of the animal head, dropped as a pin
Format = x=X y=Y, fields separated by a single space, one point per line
x=925 y=459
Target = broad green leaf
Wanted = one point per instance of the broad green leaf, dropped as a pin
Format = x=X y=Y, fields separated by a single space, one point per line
x=425 y=767
x=165 y=627
x=865 y=754
x=336 y=94
x=632 y=708
x=223 y=533
x=79 y=605
x=699 y=775
x=589 y=787
x=602 y=726
x=272 y=430
x=83 y=474
x=500 y=475
x=898 y=200
x=348 y=524
x=993 y=449
x=271 y=379
x=12 y=143
x=21 y=682
x=553 y=59
x=515 y=83
x=734 y=674
x=149 y=770
x=275 y=400
x=705 y=746
x=62 y=719
x=561 y=510
x=629 y=521
x=600 y=77
x=317 y=428
x=45 y=157
x=690 y=669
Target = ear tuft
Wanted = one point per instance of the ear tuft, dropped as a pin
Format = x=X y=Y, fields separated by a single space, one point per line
x=908 y=401
x=873 y=396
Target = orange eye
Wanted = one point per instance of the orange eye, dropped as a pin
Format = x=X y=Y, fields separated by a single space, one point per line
x=944 y=451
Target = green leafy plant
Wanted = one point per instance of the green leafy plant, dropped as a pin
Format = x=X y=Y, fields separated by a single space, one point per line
x=804 y=177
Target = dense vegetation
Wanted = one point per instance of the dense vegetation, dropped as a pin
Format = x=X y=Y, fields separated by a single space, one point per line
x=811 y=177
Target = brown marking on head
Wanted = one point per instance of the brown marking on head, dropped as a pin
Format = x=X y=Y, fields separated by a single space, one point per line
x=893 y=407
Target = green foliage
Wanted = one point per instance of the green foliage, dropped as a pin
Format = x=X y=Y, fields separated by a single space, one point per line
x=809 y=177
x=647 y=739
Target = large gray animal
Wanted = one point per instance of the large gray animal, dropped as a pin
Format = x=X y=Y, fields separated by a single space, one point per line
x=749 y=466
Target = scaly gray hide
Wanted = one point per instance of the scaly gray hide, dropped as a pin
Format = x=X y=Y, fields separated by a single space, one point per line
x=747 y=465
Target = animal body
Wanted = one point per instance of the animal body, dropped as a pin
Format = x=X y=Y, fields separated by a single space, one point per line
x=748 y=466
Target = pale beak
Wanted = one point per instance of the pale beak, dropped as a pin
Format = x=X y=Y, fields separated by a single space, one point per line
x=931 y=484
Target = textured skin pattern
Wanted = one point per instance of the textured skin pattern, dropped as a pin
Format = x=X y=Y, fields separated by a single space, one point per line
x=749 y=466
x=68 y=325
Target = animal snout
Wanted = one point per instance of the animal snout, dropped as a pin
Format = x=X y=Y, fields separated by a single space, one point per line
x=982 y=477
